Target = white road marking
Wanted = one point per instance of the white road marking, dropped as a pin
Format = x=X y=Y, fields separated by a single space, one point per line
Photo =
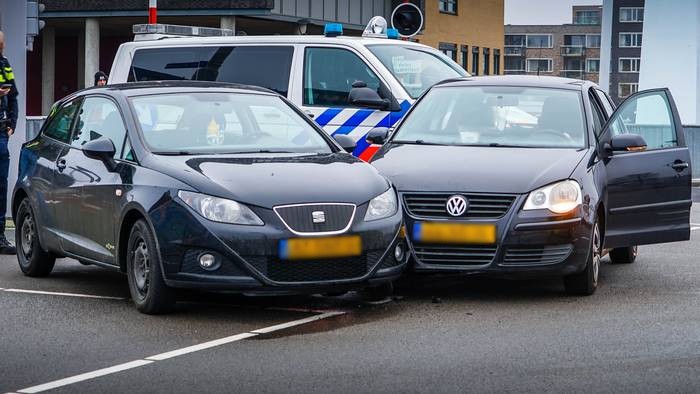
x=85 y=376
x=62 y=294
x=174 y=353
x=694 y=228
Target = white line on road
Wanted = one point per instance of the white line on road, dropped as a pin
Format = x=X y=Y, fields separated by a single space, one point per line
x=62 y=294
x=174 y=353
x=694 y=228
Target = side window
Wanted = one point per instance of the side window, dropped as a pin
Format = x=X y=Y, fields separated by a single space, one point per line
x=99 y=117
x=128 y=153
x=329 y=74
x=161 y=64
x=59 y=127
x=605 y=101
x=648 y=115
x=598 y=118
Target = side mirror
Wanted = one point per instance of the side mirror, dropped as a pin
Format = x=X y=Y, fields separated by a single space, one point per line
x=345 y=142
x=626 y=143
x=377 y=135
x=101 y=149
x=362 y=96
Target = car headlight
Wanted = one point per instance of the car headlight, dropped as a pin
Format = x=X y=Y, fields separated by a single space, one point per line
x=382 y=206
x=220 y=209
x=560 y=197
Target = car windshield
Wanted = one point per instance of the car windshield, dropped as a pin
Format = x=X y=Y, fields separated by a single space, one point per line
x=496 y=116
x=217 y=122
x=416 y=69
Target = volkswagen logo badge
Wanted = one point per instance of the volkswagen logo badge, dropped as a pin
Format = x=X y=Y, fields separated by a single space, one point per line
x=457 y=205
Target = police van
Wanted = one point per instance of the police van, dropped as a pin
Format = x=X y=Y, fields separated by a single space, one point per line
x=348 y=85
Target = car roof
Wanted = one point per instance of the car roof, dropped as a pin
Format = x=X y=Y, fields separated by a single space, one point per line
x=131 y=89
x=519 y=80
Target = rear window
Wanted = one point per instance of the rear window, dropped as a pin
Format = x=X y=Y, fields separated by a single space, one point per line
x=265 y=66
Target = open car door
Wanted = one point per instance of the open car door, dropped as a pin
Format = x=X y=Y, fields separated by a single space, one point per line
x=648 y=178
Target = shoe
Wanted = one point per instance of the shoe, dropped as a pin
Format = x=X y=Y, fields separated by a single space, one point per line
x=6 y=247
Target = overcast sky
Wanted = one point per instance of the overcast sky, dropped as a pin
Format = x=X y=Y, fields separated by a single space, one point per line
x=541 y=12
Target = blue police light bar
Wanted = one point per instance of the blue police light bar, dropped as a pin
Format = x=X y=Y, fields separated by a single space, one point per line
x=392 y=33
x=333 y=30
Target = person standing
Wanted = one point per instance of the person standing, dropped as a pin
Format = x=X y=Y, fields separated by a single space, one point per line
x=100 y=78
x=8 y=122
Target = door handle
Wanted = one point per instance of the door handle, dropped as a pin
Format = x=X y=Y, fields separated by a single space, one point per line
x=680 y=165
x=61 y=165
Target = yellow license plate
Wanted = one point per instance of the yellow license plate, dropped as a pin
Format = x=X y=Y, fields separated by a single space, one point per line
x=454 y=233
x=320 y=248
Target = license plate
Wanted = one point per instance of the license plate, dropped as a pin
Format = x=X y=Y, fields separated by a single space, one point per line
x=454 y=233
x=320 y=248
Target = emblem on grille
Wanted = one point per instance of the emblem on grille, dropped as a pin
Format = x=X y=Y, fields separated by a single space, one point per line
x=318 y=216
x=457 y=205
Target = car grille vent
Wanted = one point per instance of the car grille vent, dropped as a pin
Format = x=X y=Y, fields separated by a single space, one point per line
x=481 y=206
x=300 y=218
x=454 y=255
x=538 y=255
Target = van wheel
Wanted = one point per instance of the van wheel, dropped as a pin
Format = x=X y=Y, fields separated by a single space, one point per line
x=623 y=255
x=143 y=267
x=33 y=259
x=586 y=281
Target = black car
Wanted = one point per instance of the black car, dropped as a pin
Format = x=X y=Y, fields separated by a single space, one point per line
x=207 y=186
x=533 y=176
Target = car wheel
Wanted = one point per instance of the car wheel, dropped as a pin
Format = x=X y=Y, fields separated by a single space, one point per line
x=623 y=255
x=33 y=259
x=586 y=281
x=146 y=285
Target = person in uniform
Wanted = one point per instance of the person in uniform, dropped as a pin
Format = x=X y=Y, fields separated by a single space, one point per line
x=8 y=122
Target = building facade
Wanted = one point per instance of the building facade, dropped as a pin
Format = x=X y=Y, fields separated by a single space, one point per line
x=623 y=24
x=570 y=50
x=82 y=36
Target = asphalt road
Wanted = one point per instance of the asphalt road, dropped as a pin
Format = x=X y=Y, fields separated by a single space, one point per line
x=639 y=333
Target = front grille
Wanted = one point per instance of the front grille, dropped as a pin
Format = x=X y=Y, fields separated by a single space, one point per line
x=190 y=265
x=481 y=206
x=536 y=255
x=300 y=218
x=454 y=255
x=315 y=270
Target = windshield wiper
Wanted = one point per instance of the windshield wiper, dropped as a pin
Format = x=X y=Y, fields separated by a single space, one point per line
x=417 y=142
x=499 y=145
x=176 y=153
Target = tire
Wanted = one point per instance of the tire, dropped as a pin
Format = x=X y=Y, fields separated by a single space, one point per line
x=33 y=260
x=626 y=255
x=586 y=281
x=143 y=268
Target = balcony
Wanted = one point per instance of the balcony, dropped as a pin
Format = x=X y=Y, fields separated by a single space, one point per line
x=513 y=50
x=575 y=74
x=573 y=50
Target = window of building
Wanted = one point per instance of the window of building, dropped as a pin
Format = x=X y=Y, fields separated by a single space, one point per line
x=575 y=40
x=539 y=41
x=496 y=61
x=592 y=65
x=99 y=117
x=631 y=14
x=475 y=60
x=464 y=54
x=574 y=64
x=487 y=61
x=630 y=40
x=538 y=65
x=516 y=40
x=329 y=74
x=448 y=6
x=627 y=88
x=587 y=17
x=592 y=40
x=512 y=64
x=450 y=50
x=60 y=126
x=629 y=65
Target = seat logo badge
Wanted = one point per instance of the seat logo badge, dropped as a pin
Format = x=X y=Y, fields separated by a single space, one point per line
x=457 y=205
x=318 y=216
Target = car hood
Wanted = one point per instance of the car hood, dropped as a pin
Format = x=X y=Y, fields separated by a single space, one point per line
x=474 y=169
x=268 y=180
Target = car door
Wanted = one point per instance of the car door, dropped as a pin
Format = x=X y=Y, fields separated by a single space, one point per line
x=649 y=190
x=329 y=75
x=92 y=229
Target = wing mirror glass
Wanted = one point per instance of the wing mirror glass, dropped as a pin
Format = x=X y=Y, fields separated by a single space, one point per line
x=377 y=135
x=101 y=149
x=362 y=96
x=345 y=142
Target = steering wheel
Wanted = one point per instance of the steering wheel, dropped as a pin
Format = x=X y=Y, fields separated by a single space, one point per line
x=556 y=133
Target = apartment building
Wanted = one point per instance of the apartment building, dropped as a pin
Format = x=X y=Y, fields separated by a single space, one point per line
x=569 y=50
x=623 y=22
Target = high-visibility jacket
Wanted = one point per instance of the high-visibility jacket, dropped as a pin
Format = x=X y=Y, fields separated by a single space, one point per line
x=8 y=103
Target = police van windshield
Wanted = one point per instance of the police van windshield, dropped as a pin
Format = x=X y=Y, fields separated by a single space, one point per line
x=217 y=122
x=416 y=69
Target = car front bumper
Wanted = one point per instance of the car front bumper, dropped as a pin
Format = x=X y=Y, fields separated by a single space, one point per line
x=247 y=256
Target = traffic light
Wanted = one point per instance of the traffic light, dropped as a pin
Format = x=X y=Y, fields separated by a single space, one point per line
x=34 y=24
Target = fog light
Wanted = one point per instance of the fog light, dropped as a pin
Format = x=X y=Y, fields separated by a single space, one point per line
x=399 y=252
x=207 y=261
